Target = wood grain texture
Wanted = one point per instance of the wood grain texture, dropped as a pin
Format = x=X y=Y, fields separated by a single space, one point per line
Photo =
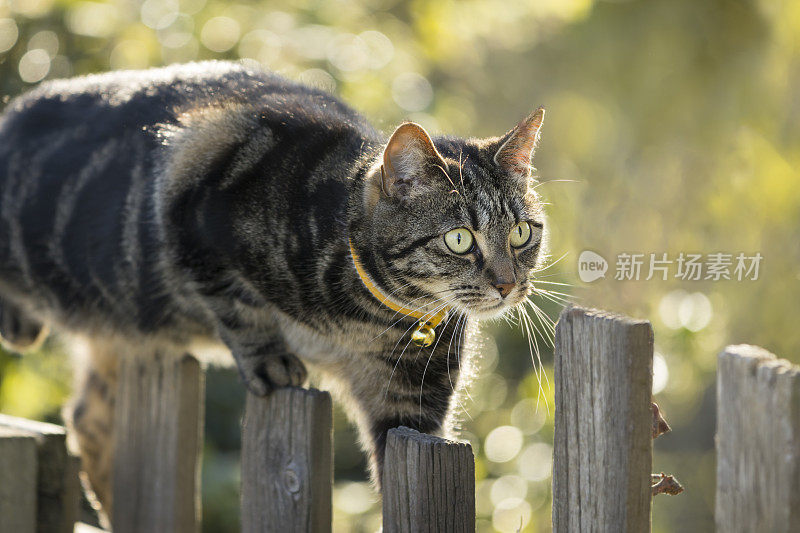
x=57 y=485
x=17 y=481
x=428 y=484
x=287 y=462
x=758 y=442
x=158 y=436
x=602 y=455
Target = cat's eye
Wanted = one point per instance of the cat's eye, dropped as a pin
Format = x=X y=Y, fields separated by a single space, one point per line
x=520 y=235
x=459 y=240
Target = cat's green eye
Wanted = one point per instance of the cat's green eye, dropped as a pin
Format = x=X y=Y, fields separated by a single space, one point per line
x=520 y=235
x=459 y=240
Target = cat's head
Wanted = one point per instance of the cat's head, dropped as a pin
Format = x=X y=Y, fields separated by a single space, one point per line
x=454 y=222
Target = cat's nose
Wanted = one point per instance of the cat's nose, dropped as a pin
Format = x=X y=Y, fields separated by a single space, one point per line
x=504 y=288
x=502 y=277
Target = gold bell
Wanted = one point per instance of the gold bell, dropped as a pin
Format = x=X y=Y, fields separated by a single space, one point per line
x=423 y=336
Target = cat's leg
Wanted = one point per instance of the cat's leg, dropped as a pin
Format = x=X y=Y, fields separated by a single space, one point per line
x=89 y=416
x=263 y=360
x=415 y=391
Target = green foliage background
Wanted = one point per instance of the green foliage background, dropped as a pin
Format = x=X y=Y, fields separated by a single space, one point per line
x=672 y=126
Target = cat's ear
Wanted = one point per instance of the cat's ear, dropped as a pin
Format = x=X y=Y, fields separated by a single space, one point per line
x=409 y=163
x=517 y=146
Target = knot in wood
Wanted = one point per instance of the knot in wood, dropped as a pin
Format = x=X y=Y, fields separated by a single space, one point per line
x=291 y=481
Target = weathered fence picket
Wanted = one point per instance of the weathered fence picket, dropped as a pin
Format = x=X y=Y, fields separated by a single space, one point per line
x=158 y=437
x=428 y=484
x=603 y=444
x=287 y=462
x=602 y=451
x=758 y=442
x=17 y=481
x=57 y=489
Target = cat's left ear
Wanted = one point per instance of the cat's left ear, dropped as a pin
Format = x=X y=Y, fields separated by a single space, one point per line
x=517 y=146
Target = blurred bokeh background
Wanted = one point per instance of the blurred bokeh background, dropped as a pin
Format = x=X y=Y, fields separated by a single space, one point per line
x=672 y=126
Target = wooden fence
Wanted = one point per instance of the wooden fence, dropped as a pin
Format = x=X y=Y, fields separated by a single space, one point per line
x=604 y=426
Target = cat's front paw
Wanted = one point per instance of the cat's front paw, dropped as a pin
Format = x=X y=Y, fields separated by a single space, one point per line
x=264 y=374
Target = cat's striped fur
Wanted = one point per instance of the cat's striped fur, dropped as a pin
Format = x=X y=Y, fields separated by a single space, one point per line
x=209 y=203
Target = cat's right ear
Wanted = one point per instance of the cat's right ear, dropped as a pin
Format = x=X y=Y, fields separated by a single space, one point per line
x=409 y=163
x=516 y=151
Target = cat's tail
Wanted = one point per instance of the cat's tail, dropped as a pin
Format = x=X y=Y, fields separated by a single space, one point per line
x=20 y=332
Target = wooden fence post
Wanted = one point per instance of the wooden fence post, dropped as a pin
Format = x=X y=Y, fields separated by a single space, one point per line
x=17 y=481
x=287 y=462
x=758 y=442
x=428 y=484
x=158 y=437
x=56 y=477
x=603 y=445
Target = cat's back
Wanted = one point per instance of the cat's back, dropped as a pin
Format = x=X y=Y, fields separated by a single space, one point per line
x=78 y=165
x=76 y=154
x=54 y=129
x=107 y=104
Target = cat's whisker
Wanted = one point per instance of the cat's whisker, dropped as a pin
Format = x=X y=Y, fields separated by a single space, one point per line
x=413 y=324
x=556 y=298
x=462 y=319
x=534 y=347
x=548 y=282
x=539 y=278
x=555 y=181
x=533 y=344
x=433 y=350
x=547 y=338
x=393 y=324
x=545 y=319
x=549 y=326
x=554 y=292
x=550 y=265
x=391 y=375
x=442 y=306
x=446 y=175
x=561 y=300
x=461 y=168
x=458 y=354
x=509 y=319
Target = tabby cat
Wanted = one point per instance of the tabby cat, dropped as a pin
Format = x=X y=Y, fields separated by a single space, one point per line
x=210 y=204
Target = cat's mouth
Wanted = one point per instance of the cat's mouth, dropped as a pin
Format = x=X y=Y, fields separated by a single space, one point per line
x=482 y=303
x=489 y=308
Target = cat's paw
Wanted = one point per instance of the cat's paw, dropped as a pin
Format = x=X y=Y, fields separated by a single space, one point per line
x=274 y=371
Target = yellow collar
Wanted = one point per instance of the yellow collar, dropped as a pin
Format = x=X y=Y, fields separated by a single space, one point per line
x=425 y=331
